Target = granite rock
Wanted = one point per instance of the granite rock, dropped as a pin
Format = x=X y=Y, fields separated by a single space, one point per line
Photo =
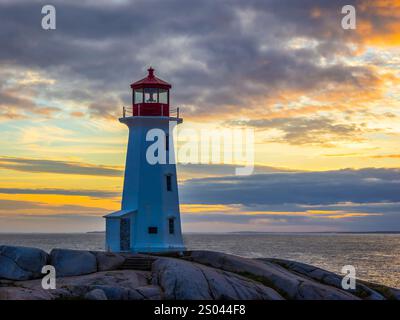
x=73 y=262
x=184 y=280
x=289 y=285
x=327 y=277
x=108 y=260
x=96 y=294
x=21 y=263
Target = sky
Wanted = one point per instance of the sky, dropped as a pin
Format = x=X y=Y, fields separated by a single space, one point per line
x=323 y=101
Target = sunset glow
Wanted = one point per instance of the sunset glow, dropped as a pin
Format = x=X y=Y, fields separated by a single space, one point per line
x=324 y=103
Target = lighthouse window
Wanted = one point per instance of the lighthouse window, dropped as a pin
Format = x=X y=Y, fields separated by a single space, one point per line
x=171 y=226
x=169 y=183
x=153 y=230
x=163 y=96
x=138 y=96
x=150 y=95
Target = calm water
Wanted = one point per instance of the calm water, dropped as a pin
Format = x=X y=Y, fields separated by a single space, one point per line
x=375 y=256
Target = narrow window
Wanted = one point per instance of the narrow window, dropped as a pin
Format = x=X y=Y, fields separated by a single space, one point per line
x=153 y=230
x=169 y=182
x=171 y=225
x=167 y=142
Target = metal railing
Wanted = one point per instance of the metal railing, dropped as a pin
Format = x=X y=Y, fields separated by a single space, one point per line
x=128 y=112
x=174 y=112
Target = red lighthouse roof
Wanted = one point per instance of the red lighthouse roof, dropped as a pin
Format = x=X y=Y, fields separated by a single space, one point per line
x=151 y=81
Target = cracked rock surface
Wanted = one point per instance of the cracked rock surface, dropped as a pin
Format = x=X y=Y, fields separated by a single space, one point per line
x=290 y=285
x=183 y=280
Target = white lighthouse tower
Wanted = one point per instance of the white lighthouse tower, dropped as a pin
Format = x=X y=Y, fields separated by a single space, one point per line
x=149 y=219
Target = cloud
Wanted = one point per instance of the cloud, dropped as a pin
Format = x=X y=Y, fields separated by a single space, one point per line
x=19 y=90
x=345 y=200
x=248 y=213
x=394 y=156
x=304 y=188
x=65 y=192
x=68 y=167
x=54 y=166
x=299 y=131
x=292 y=217
x=60 y=223
x=19 y=207
x=220 y=58
x=188 y=171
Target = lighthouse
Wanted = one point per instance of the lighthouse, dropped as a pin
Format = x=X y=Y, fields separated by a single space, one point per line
x=149 y=219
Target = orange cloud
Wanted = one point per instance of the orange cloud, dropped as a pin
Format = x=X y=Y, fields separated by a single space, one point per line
x=378 y=22
x=237 y=209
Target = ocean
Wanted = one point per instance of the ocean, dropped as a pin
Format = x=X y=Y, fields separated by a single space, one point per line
x=376 y=257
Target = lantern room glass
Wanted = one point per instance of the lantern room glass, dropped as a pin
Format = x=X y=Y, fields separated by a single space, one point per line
x=138 y=96
x=150 y=95
x=163 y=96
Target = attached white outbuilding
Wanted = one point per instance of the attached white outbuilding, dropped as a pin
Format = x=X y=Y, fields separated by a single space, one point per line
x=119 y=229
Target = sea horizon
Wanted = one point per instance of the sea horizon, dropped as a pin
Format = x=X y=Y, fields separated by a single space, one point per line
x=230 y=232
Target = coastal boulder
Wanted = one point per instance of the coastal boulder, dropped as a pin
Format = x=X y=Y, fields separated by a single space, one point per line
x=129 y=279
x=395 y=293
x=182 y=280
x=150 y=292
x=73 y=262
x=115 y=285
x=115 y=292
x=21 y=263
x=108 y=260
x=18 y=293
x=96 y=294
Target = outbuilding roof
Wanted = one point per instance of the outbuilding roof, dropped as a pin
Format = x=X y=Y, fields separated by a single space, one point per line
x=120 y=214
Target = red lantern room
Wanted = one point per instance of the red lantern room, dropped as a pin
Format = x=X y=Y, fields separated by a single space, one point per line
x=150 y=96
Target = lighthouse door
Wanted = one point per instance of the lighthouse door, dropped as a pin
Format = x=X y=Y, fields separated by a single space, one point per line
x=125 y=234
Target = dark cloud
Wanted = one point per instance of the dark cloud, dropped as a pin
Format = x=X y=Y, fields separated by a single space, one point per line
x=346 y=200
x=266 y=222
x=66 y=167
x=202 y=170
x=306 y=130
x=305 y=188
x=61 y=167
x=217 y=54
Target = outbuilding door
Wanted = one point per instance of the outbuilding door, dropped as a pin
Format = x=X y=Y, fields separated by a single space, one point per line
x=125 y=234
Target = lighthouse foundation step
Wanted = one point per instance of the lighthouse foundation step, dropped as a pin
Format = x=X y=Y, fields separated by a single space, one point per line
x=137 y=263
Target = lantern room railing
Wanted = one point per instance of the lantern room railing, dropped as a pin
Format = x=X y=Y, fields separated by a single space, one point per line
x=128 y=111
x=174 y=112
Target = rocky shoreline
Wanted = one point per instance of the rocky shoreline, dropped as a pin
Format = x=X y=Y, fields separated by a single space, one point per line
x=193 y=275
